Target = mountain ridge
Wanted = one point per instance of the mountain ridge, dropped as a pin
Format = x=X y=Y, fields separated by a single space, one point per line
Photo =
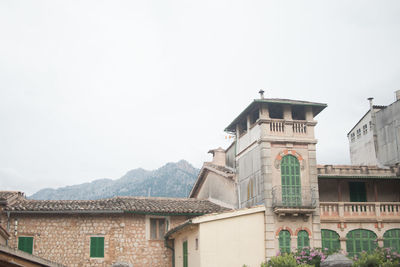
x=174 y=179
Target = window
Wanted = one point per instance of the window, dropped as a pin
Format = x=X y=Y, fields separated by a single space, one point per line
x=357 y=192
x=302 y=239
x=250 y=189
x=358 y=133
x=185 y=253
x=25 y=243
x=330 y=240
x=365 y=129
x=360 y=240
x=353 y=137
x=370 y=125
x=157 y=228
x=197 y=243
x=290 y=174
x=391 y=239
x=284 y=241
x=97 y=247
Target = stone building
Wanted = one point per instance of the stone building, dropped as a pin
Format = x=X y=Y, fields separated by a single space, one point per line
x=375 y=139
x=120 y=230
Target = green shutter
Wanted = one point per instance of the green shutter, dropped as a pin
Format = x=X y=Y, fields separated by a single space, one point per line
x=360 y=240
x=97 y=247
x=284 y=241
x=391 y=239
x=330 y=240
x=25 y=243
x=185 y=254
x=291 y=187
x=357 y=192
x=302 y=239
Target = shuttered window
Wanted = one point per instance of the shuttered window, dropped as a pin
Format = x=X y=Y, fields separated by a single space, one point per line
x=290 y=175
x=284 y=241
x=391 y=239
x=185 y=254
x=360 y=240
x=357 y=192
x=302 y=239
x=330 y=240
x=25 y=243
x=96 y=247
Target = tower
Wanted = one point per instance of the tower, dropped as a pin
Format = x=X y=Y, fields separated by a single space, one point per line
x=275 y=161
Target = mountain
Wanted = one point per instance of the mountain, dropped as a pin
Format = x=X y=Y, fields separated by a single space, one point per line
x=171 y=180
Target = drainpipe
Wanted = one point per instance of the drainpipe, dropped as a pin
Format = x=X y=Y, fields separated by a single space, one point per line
x=374 y=131
x=172 y=249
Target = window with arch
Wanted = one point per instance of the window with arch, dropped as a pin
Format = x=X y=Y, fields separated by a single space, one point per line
x=291 y=187
x=250 y=189
x=302 y=239
x=391 y=239
x=330 y=240
x=360 y=240
x=284 y=241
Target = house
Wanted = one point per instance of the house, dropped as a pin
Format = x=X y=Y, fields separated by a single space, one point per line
x=106 y=232
x=375 y=139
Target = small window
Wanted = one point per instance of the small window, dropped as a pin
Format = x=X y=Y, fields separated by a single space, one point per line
x=303 y=240
x=353 y=137
x=197 y=243
x=250 y=189
x=97 y=247
x=358 y=133
x=25 y=243
x=370 y=125
x=157 y=228
x=365 y=129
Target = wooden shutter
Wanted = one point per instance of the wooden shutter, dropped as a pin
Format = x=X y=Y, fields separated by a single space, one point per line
x=97 y=247
x=360 y=240
x=302 y=239
x=185 y=254
x=25 y=243
x=330 y=240
x=284 y=241
x=290 y=176
x=391 y=239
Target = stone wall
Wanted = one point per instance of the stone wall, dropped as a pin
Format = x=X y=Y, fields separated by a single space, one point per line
x=65 y=239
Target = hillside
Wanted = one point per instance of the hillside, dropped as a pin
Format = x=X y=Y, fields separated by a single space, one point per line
x=171 y=180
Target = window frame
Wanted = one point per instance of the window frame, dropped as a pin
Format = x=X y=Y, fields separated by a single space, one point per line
x=157 y=220
x=357 y=237
x=95 y=252
x=291 y=181
x=391 y=239
x=330 y=241
x=303 y=239
x=284 y=239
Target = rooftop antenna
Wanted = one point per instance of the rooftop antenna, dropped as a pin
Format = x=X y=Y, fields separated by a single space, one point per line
x=261 y=92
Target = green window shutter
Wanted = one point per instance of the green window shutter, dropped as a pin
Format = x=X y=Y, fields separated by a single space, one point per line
x=302 y=239
x=358 y=192
x=25 y=243
x=96 y=247
x=290 y=177
x=391 y=239
x=284 y=241
x=360 y=240
x=185 y=254
x=330 y=240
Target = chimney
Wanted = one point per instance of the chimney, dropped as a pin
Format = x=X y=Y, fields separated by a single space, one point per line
x=218 y=156
x=261 y=92
x=397 y=95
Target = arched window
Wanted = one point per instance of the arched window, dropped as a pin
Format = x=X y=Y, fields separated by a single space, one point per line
x=284 y=241
x=360 y=240
x=330 y=240
x=391 y=239
x=291 y=188
x=302 y=239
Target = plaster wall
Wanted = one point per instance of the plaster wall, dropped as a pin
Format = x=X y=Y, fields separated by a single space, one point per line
x=233 y=241
x=190 y=235
x=388 y=132
x=251 y=136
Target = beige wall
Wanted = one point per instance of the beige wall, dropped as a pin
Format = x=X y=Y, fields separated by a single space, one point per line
x=65 y=239
x=233 y=241
x=190 y=235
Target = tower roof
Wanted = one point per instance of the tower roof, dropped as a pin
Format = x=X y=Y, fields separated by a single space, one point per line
x=316 y=108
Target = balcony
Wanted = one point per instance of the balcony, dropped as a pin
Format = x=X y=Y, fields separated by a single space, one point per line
x=360 y=211
x=293 y=200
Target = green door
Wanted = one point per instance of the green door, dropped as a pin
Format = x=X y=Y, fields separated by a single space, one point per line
x=357 y=192
x=185 y=254
x=291 y=188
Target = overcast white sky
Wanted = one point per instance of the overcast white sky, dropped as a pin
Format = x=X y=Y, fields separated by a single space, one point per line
x=92 y=89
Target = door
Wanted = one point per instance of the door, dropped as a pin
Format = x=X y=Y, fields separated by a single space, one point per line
x=185 y=254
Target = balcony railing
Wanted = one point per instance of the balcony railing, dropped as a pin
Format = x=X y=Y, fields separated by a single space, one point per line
x=359 y=210
x=294 y=197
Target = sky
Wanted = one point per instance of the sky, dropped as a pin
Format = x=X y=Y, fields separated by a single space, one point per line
x=93 y=89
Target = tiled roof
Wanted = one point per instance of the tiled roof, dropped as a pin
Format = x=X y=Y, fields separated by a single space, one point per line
x=119 y=204
x=8 y=197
